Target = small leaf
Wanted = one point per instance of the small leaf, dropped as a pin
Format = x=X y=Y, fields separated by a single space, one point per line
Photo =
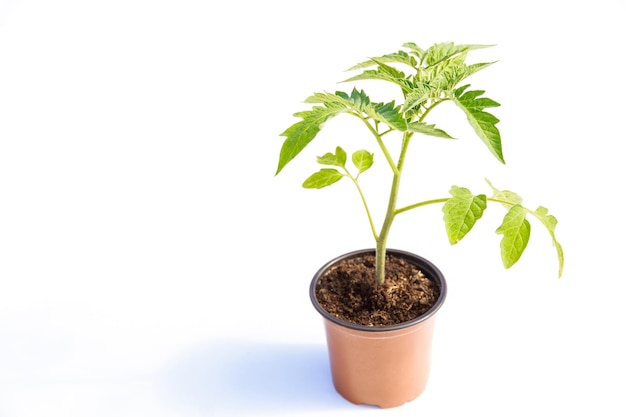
x=323 y=178
x=389 y=70
x=420 y=93
x=549 y=221
x=301 y=133
x=389 y=114
x=337 y=159
x=516 y=233
x=400 y=57
x=419 y=127
x=459 y=91
x=474 y=68
x=326 y=99
x=357 y=99
x=440 y=52
x=461 y=212
x=419 y=52
x=382 y=75
x=484 y=123
x=362 y=160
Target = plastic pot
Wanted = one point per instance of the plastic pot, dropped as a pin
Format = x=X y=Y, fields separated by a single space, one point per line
x=384 y=366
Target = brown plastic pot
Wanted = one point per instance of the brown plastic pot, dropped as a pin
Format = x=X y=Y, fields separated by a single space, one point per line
x=383 y=366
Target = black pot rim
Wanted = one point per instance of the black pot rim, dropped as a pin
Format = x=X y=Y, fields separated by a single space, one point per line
x=427 y=267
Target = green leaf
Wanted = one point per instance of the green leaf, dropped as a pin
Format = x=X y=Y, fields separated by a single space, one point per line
x=440 y=52
x=516 y=233
x=329 y=99
x=449 y=73
x=460 y=90
x=461 y=212
x=323 y=178
x=416 y=50
x=384 y=73
x=362 y=160
x=419 y=127
x=357 y=99
x=389 y=114
x=420 y=93
x=484 y=123
x=301 y=133
x=549 y=221
x=392 y=72
x=400 y=57
x=337 y=159
x=474 y=68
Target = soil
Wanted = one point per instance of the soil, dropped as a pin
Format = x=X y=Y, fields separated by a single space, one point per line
x=349 y=292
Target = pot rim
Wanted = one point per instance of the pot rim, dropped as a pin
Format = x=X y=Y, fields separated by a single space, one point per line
x=427 y=267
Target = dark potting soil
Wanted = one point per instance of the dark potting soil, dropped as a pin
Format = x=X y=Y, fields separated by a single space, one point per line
x=349 y=291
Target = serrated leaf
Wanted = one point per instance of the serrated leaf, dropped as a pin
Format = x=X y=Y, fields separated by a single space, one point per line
x=400 y=57
x=382 y=74
x=301 y=133
x=357 y=99
x=389 y=114
x=461 y=212
x=323 y=178
x=327 y=99
x=549 y=221
x=419 y=52
x=459 y=91
x=362 y=160
x=337 y=159
x=448 y=77
x=451 y=72
x=388 y=69
x=431 y=130
x=484 y=123
x=440 y=52
x=420 y=93
x=515 y=231
x=474 y=68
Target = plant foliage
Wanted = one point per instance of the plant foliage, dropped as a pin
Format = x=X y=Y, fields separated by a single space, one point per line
x=426 y=78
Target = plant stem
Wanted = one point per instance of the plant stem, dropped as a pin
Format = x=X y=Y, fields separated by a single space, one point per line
x=367 y=210
x=422 y=203
x=381 y=242
x=435 y=104
x=443 y=200
x=380 y=142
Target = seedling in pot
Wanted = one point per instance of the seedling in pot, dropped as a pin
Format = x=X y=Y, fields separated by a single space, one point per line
x=434 y=76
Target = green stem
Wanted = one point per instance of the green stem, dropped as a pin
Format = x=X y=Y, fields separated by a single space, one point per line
x=435 y=104
x=380 y=142
x=381 y=242
x=367 y=210
x=443 y=200
x=421 y=204
x=495 y=200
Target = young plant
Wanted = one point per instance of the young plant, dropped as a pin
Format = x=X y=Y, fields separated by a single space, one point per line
x=433 y=78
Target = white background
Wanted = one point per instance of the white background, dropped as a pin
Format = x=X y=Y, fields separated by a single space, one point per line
x=151 y=264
